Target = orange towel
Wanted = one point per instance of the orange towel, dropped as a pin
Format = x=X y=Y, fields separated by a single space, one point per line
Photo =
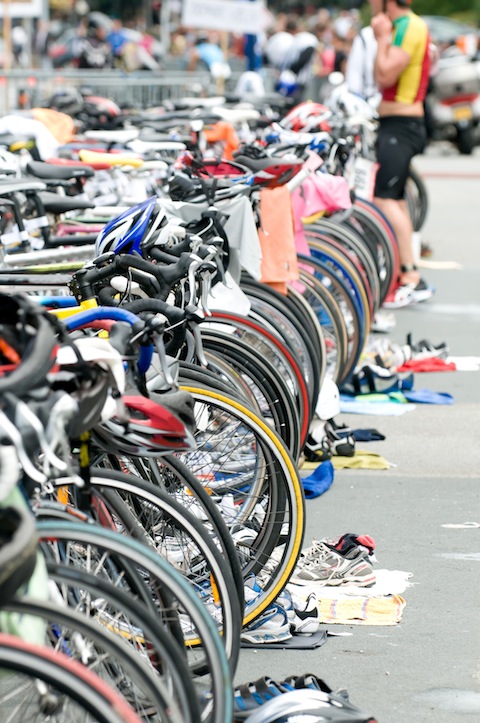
x=223 y=132
x=60 y=125
x=277 y=239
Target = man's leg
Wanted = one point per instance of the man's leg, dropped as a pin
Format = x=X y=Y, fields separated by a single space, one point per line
x=397 y=214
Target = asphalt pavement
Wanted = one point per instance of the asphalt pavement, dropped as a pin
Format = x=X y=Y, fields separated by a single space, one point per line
x=426 y=668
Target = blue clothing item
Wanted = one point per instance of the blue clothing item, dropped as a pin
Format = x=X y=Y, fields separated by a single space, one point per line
x=117 y=40
x=210 y=53
x=319 y=481
x=253 y=53
x=426 y=396
x=383 y=409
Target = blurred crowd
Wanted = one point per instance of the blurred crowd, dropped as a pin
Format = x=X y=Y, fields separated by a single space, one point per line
x=314 y=42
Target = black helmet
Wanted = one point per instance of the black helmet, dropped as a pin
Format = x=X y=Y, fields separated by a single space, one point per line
x=66 y=101
x=29 y=344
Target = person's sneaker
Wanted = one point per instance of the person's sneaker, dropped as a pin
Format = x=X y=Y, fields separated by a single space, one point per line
x=339 y=446
x=272 y=626
x=325 y=566
x=407 y=294
x=422 y=292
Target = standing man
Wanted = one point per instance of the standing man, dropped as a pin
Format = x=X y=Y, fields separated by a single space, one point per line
x=402 y=68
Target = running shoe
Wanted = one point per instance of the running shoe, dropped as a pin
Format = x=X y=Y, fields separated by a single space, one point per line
x=305 y=616
x=424 y=349
x=252 y=589
x=408 y=294
x=250 y=696
x=285 y=600
x=272 y=626
x=351 y=545
x=326 y=566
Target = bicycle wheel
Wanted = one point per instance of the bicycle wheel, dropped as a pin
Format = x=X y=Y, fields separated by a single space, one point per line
x=274 y=397
x=107 y=655
x=72 y=693
x=172 y=476
x=288 y=329
x=417 y=198
x=273 y=347
x=350 y=239
x=155 y=517
x=106 y=551
x=329 y=316
x=116 y=611
x=383 y=242
x=352 y=314
x=251 y=475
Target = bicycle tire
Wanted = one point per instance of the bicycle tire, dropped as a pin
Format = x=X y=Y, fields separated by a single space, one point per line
x=124 y=658
x=219 y=707
x=326 y=309
x=275 y=399
x=70 y=678
x=284 y=480
x=147 y=499
x=162 y=649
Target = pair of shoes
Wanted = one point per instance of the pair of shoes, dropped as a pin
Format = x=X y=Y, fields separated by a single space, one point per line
x=314 y=451
x=249 y=696
x=307 y=680
x=272 y=626
x=424 y=349
x=331 y=444
x=407 y=294
x=341 y=446
x=344 y=561
x=351 y=545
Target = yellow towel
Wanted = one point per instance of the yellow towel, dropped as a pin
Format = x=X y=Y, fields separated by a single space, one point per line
x=386 y=610
x=361 y=460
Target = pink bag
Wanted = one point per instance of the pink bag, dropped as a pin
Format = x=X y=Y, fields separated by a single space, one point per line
x=319 y=192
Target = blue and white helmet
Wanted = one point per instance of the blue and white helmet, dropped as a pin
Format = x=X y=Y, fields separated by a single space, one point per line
x=127 y=233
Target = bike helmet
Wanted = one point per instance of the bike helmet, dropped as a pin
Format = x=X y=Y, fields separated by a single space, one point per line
x=309 y=706
x=28 y=344
x=307 y=117
x=149 y=429
x=67 y=101
x=90 y=370
x=99 y=107
x=125 y=234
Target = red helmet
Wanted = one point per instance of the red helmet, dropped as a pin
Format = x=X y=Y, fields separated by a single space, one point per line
x=150 y=429
x=307 y=117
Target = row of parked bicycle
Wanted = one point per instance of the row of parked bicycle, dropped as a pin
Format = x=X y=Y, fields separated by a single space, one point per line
x=158 y=398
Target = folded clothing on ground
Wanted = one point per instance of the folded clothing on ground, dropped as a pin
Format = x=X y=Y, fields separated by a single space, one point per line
x=318 y=482
x=430 y=364
x=362 y=460
x=426 y=396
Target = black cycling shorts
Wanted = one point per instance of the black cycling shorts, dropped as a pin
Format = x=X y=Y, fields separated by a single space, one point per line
x=399 y=138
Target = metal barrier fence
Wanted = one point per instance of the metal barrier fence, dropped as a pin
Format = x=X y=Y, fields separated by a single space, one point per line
x=142 y=89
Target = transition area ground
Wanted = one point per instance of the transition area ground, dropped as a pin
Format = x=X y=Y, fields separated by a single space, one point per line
x=427 y=668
